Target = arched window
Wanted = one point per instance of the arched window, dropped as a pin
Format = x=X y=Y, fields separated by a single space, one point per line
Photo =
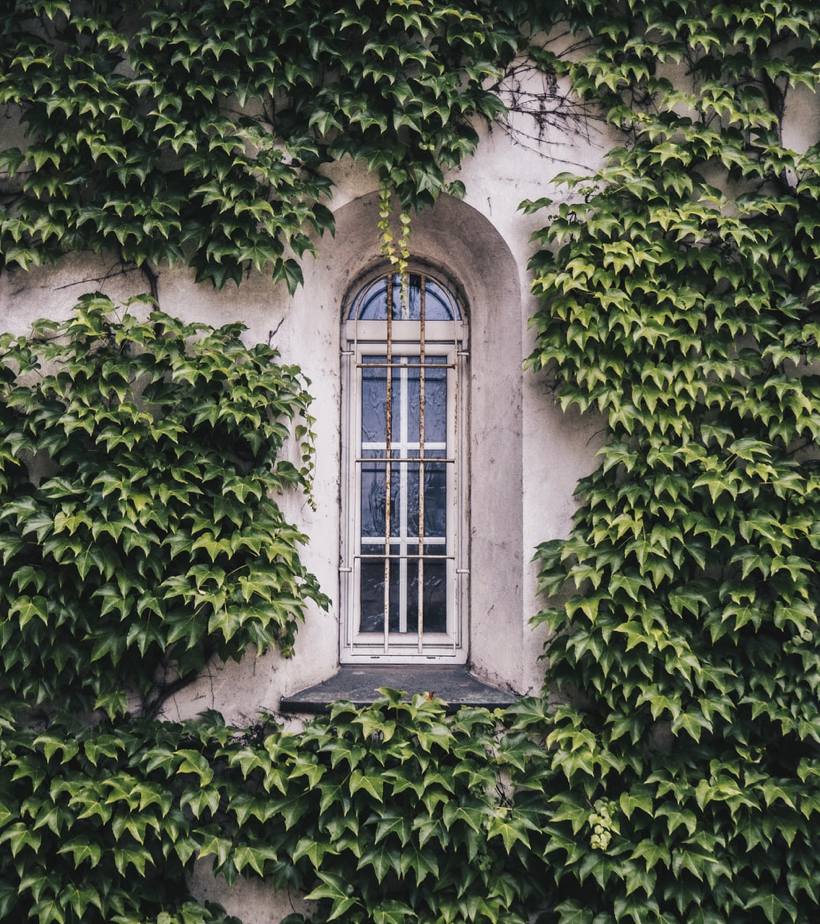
x=404 y=567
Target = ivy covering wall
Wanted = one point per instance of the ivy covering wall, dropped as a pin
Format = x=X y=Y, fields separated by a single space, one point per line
x=195 y=133
x=680 y=779
x=680 y=288
x=141 y=458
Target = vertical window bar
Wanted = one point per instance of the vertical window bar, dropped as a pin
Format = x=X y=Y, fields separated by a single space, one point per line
x=402 y=452
x=388 y=426
x=420 y=573
x=456 y=521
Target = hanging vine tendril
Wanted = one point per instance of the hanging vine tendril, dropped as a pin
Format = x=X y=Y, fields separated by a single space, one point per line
x=395 y=249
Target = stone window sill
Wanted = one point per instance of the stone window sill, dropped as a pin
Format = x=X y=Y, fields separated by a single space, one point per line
x=360 y=684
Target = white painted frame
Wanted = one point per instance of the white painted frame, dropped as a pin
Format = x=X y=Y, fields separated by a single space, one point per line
x=449 y=340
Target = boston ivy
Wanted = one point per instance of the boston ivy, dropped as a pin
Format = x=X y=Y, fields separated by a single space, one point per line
x=387 y=814
x=196 y=132
x=680 y=301
x=140 y=535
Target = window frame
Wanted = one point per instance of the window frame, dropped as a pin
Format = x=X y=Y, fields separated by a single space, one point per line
x=448 y=339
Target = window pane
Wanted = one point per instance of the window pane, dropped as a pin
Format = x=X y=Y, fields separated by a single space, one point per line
x=440 y=306
x=372 y=595
x=434 y=602
x=374 y=402
x=434 y=597
x=374 y=491
x=435 y=401
x=435 y=497
x=371 y=302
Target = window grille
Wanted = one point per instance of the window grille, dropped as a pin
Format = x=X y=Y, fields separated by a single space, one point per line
x=404 y=548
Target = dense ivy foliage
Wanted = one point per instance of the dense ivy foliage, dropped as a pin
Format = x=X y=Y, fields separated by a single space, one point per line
x=386 y=814
x=196 y=132
x=681 y=300
x=680 y=296
x=139 y=459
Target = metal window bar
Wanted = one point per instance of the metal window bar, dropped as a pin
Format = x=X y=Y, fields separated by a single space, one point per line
x=420 y=578
x=360 y=365
x=401 y=556
x=409 y=460
x=388 y=486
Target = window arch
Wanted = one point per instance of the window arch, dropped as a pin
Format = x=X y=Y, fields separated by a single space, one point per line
x=404 y=551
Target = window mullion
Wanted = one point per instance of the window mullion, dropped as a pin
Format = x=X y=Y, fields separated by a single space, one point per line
x=403 y=452
x=420 y=571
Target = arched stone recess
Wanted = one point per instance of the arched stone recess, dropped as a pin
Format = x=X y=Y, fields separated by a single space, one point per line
x=462 y=245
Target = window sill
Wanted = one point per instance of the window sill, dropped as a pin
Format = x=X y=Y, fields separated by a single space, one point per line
x=454 y=685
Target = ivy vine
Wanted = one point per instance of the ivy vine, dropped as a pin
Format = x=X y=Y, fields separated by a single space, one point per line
x=197 y=133
x=140 y=532
x=680 y=287
x=384 y=814
x=680 y=301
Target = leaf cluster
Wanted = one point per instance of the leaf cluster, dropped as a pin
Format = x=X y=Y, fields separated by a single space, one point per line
x=680 y=301
x=140 y=532
x=396 y=812
x=197 y=133
x=95 y=822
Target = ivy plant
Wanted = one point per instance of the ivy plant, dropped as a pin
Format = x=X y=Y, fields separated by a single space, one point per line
x=197 y=132
x=141 y=459
x=391 y=813
x=678 y=778
x=680 y=301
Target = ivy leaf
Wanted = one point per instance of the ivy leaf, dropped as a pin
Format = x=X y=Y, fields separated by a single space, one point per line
x=383 y=858
x=193 y=762
x=368 y=782
x=337 y=890
x=773 y=907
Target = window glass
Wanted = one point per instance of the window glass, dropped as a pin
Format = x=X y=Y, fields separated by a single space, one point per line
x=371 y=302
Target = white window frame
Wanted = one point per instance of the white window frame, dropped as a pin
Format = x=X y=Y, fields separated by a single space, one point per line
x=362 y=339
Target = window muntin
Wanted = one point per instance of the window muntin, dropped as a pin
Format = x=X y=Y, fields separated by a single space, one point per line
x=404 y=547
